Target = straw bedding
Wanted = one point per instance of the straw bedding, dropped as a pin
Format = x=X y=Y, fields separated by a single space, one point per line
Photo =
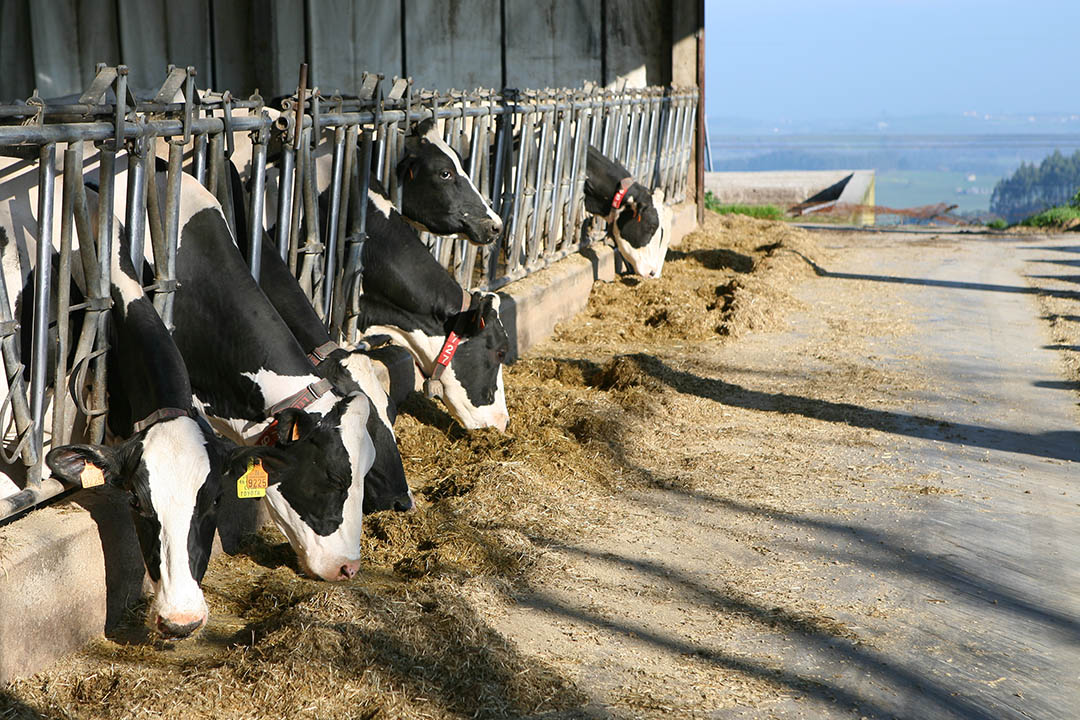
x=406 y=638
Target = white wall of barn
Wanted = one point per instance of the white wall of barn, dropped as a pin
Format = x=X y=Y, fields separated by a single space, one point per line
x=242 y=45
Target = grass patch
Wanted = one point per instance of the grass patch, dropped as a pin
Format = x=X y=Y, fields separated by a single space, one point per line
x=997 y=224
x=1054 y=217
x=762 y=212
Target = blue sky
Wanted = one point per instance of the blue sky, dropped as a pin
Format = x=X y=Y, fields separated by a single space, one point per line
x=799 y=61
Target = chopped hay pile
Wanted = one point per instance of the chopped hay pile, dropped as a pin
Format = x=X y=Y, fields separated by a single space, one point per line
x=401 y=640
x=728 y=278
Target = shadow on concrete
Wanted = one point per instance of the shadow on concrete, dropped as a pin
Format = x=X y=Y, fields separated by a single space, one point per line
x=1057 y=444
x=1074 y=279
x=1066 y=263
x=939 y=569
x=110 y=510
x=1057 y=384
x=1064 y=248
x=1068 y=318
x=1061 y=346
x=900 y=679
x=956 y=284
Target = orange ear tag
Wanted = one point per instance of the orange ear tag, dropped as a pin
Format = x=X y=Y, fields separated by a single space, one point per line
x=254 y=481
x=295 y=432
x=91 y=476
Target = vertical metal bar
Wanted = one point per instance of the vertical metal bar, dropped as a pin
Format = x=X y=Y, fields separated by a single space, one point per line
x=336 y=175
x=354 y=267
x=106 y=192
x=135 y=222
x=286 y=180
x=337 y=318
x=309 y=277
x=215 y=168
x=198 y=160
x=558 y=181
x=172 y=226
x=72 y=176
x=583 y=128
x=533 y=241
x=297 y=199
x=514 y=259
x=258 y=196
x=42 y=282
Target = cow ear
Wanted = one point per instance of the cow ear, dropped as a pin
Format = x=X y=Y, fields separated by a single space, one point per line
x=481 y=309
x=407 y=163
x=293 y=425
x=87 y=465
x=421 y=129
x=274 y=461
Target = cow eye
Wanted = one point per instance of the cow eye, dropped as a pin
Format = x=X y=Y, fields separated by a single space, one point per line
x=445 y=175
x=501 y=354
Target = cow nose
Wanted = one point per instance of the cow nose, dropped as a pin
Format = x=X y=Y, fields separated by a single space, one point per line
x=179 y=626
x=501 y=421
x=348 y=570
x=493 y=228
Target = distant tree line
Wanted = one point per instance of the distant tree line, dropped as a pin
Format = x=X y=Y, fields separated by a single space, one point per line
x=1032 y=189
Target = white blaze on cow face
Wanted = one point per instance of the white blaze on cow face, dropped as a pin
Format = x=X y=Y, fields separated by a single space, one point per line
x=335 y=556
x=469 y=415
x=177 y=465
x=648 y=261
x=433 y=136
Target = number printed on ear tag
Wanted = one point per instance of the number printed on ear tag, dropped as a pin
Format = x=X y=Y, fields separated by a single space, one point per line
x=91 y=476
x=254 y=481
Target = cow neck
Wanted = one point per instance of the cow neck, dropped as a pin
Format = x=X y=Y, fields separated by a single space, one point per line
x=400 y=272
x=606 y=180
x=293 y=306
x=617 y=198
x=231 y=332
x=147 y=368
x=433 y=380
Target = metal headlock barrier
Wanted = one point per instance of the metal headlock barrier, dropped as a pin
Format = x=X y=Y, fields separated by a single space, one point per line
x=524 y=149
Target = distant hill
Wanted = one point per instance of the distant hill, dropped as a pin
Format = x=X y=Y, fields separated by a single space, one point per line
x=1034 y=188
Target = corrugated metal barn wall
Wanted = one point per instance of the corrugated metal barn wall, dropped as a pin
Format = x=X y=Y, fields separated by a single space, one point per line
x=240 y=45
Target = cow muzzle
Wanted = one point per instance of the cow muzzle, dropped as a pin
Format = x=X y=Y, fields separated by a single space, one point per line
x=484 y=231
x=179 y=625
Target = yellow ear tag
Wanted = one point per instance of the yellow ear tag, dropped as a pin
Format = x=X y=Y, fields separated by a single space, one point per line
x=295 y=432
x=253 y=483
x=91 y=476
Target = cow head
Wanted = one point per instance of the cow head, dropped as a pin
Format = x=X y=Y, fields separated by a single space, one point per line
x=472 y=385
x=642 y=230
x=172 y=472
x=316 y=484
x=438 y=194
x=385 y=487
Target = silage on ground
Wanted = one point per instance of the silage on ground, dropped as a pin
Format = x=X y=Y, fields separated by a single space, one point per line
x=401 y=641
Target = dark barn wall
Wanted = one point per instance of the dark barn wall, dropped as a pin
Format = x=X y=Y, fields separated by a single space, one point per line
x=242 y=45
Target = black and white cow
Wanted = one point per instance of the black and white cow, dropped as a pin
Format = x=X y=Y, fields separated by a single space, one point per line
x=456 y=338
x=253 y=381
x=437 y=193
x=350 y=371
x=640 y=222
x=409 y=296
x=171 y=463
